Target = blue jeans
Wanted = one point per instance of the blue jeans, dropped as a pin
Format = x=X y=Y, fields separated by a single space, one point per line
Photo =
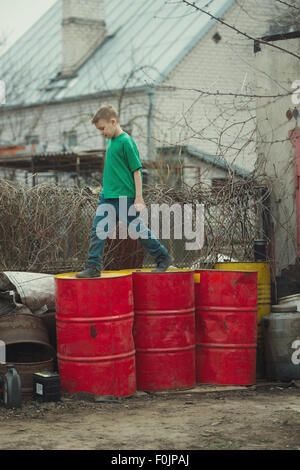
x=110 y=211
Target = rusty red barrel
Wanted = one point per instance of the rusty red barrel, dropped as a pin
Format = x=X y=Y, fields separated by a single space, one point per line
x=164 y=329
x=226 y=322
x=94 y=321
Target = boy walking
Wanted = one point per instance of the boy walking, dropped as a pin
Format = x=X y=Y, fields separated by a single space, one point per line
x=122 y=184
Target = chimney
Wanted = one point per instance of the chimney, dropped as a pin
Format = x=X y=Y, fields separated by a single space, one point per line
x=83 y=29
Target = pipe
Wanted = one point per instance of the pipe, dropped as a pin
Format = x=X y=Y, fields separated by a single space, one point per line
x=150 y=94
x=294 y=136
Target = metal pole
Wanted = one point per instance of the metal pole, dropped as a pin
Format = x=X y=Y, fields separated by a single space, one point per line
x=33 y=171
x=78 y=171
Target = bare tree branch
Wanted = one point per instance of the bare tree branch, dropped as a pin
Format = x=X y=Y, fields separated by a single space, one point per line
x=192 y=4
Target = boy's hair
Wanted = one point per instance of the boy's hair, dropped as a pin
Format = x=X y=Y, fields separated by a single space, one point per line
x=107 y=112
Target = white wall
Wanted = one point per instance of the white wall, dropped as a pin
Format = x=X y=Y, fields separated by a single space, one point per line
x=275 y=73
x=219 y=125
x=50 y=122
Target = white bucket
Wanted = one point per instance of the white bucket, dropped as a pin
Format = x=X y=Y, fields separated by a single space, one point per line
x=291 y=300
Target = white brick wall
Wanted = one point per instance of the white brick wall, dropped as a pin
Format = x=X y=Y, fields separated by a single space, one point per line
x=51 y=121
x=276 y=153
x=221 y=125
x=179 y=117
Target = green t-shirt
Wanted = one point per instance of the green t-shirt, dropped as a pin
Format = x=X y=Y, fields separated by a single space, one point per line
x=121 y=159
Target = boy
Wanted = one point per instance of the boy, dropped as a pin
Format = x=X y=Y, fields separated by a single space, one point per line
x=122 y=181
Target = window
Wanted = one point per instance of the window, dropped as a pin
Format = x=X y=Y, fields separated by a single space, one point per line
x=31 y=139
x=70 y=138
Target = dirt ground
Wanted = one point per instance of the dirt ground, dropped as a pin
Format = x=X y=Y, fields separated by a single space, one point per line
x=265 y=417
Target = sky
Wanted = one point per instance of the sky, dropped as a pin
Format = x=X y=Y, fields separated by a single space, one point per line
x=16 y=17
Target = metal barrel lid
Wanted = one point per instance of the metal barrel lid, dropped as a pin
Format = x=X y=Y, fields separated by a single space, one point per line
x=281 y=308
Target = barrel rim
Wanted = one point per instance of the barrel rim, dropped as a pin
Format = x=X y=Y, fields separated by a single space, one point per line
x=100 y=358
x=163 y=272
x=168 y=271
x=286 y=298
x=242 y=262
x=50 y=349
x=35 y=363
x=101 y=319
x=72 y=277
x=224 y=270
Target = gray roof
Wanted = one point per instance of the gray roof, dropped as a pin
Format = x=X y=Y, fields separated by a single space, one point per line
x=218 y=161
x=214 y=160
x=148 y=36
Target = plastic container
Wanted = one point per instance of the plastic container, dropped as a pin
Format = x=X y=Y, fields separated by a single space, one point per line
x=47 y=386
x=291 y=300
x=11 y=386
x=281 y=331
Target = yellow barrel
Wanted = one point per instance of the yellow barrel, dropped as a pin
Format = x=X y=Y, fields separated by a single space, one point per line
x=263 y=283
x=263 y=298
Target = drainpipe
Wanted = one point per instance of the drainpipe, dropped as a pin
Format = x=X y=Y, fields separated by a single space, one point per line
x=294 y=136
x=150 y=93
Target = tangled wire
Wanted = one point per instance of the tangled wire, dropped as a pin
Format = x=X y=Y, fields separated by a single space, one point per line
x=47 y=228
x=233 y=218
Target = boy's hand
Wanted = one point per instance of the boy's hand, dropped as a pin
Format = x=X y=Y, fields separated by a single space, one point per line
x=97 y=190
x=139 y=204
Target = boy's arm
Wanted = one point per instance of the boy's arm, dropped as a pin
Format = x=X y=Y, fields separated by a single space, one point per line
x=139 y=203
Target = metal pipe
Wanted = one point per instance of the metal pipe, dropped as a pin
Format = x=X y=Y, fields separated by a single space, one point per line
x=294 y=136
x=149 y=124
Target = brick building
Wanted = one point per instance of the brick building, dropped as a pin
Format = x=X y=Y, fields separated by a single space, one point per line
x=172 y=71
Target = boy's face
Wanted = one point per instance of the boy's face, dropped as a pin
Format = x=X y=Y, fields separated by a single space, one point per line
x=107 y=128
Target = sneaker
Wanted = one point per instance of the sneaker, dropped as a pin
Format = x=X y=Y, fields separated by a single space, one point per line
x=89 y=271
x=163 y=262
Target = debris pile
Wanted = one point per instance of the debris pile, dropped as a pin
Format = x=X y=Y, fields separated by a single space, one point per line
x=25 y=298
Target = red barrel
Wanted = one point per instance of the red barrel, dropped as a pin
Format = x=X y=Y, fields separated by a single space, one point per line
x=226 y=323
x=94 y=321
x=164 y=329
